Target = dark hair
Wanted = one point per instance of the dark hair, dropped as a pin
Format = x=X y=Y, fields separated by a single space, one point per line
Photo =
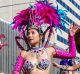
x=71 y=62
x=77 y=40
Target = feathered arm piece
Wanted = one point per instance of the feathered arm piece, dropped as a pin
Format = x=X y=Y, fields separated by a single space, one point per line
x=19 y=64
x=18 y=43
x=72 y=50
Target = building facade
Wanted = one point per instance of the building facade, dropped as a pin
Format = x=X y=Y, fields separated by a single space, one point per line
x=9 y=8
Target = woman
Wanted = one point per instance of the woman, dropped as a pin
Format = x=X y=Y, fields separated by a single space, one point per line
x=71 y=68
x=67 y=62
x=76 y=66
x=37 y=58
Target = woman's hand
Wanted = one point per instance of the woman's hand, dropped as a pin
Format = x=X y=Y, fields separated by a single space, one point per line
x=73 y=29
x=56 y=65
x=2 y=45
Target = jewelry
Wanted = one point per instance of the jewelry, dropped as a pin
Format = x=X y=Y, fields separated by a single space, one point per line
x=37 y=51
x=64 y=67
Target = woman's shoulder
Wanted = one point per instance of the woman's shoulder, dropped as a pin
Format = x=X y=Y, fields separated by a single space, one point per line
x=23 y=53
x=51 y=49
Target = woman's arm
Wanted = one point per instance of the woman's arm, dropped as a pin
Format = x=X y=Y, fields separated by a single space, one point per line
x=71 y=68
x=64 y=54
x=19 y=63
x=72 y=48
x=76 y=66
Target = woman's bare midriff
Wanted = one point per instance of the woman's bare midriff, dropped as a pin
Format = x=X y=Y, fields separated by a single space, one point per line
x=37 y=71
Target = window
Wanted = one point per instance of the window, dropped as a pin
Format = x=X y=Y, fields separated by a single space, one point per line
x=75 y=4
x=69 y=9
x=65 y=29
x=63 y=40
x=69 y=20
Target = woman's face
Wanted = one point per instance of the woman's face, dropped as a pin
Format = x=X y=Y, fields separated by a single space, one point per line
x=33 y=37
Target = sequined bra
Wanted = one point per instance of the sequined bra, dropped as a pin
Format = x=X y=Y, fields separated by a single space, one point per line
x=42 y=65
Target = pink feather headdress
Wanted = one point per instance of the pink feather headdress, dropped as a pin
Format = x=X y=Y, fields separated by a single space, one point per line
x=41 y=13
x=38 y=14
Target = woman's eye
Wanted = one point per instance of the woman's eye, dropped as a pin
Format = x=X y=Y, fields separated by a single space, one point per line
x=33 y=32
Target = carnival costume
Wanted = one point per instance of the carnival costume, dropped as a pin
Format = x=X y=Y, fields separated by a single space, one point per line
x=37 y=15
x=66 y=63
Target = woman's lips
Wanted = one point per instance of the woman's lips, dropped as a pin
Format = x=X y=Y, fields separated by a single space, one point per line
x=30 y=39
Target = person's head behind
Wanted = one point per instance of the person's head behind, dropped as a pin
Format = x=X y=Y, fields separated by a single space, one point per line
x=77 y=40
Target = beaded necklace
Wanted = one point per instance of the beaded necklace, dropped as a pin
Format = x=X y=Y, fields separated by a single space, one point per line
x=37 y=51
